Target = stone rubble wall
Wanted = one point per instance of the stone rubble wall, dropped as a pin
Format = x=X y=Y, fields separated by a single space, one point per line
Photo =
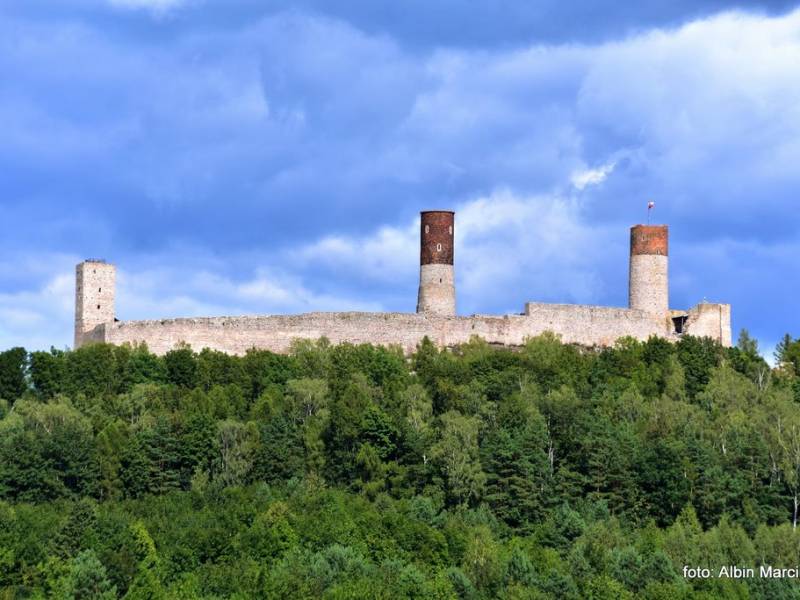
x=437 y=291
x=593 y=325
x=648 y=283
x=586 y=325
x=710 y=320
x=95 y=283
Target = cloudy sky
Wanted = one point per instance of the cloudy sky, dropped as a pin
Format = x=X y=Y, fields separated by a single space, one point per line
x=244 y=156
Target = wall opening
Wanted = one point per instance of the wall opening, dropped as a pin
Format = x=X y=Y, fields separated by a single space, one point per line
x=678 y=324
x=98 y=307
x=438 y=247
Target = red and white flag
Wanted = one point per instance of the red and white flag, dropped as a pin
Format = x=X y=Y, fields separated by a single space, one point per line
x=650 y=205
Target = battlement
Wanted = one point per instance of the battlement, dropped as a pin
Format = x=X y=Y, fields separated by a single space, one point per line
x=435 y=318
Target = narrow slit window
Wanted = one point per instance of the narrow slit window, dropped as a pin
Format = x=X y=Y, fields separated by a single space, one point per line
x=98 y=307
x=427 y=229
x=438 y=247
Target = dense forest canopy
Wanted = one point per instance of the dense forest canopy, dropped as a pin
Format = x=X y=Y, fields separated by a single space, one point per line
x=549 y=471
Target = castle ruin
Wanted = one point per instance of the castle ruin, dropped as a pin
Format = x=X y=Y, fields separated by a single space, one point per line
x=648 y=312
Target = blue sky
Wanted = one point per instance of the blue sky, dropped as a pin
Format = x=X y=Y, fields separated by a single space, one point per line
x=245 y=157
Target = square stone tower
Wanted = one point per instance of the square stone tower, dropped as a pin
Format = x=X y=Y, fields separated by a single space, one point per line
x=95 y=281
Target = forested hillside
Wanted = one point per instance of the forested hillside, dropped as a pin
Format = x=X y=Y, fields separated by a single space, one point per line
x=549 y=471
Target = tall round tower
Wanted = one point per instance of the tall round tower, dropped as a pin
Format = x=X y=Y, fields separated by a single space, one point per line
x=648 y=283
x=437 y=291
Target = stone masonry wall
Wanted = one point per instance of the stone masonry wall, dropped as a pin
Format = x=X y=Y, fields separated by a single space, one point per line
x=588 y=325
x=95 y=283
x=592 y=325
x=437 y=291
x=710 y=320
x=648 y=282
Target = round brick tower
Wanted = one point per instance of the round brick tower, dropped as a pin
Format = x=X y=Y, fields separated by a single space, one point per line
x=437 y=291
x=648 y=283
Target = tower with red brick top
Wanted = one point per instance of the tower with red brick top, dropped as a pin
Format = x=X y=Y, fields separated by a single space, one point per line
x=648 y=282
x=437 y=291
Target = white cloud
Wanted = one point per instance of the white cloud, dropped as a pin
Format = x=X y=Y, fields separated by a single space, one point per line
x=384 y=255
x=514 y=247
x=586 y=177
x=172 y=292
x=39 y=318
x=510 y=248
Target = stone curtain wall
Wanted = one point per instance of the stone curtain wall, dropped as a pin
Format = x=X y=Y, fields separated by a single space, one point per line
x=586 y=325
x=592 y=325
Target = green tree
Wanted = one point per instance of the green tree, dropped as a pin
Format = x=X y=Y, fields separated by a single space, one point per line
x=787 y=352
x=456 y=453
x=344 y=428
x=198 y=443
x=697 y=357
x=48 y=371
x=92 y=370
x=312 y=358
x=181 y=367
x=514 y=456
x=153 y=461
x=88 y=579
x=662 y=479
x=146 y=584
x=271 y=535
x=78 y=531
x=13 y=367
x=745 y=359
x=607 y=463
x=264 y=369
x=46 y=451
x=306 y=397
x=279 y=455
x=235 y=442
x=111 y=442
x=216 y=368
x=137 y=365
x=482 y=560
